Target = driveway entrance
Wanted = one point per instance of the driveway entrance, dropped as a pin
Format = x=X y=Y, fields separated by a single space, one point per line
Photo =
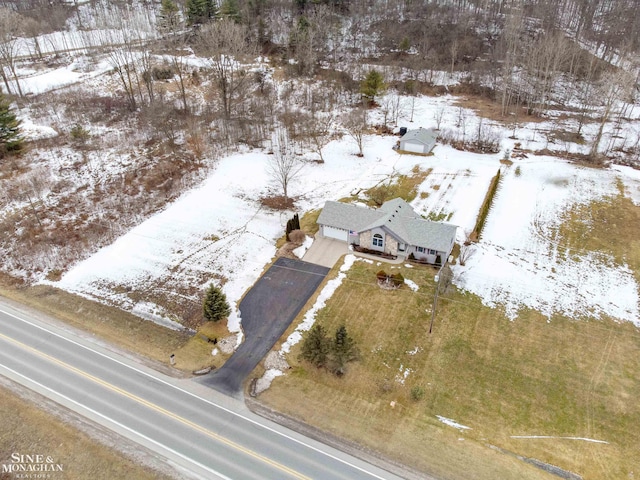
x=267 y=310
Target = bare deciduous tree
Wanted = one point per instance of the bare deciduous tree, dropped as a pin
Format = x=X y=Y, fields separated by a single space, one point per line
x=284 y=166
x=613 y=87
x=438 y=115
x=124 y=31
x=356 y=125
x=11 y=24
x=225 y=43
x=317 y=131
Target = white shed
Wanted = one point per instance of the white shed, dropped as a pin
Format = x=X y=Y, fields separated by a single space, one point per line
x=421 y=140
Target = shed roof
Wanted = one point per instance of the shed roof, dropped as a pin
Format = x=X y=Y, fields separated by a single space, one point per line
x=426 y=136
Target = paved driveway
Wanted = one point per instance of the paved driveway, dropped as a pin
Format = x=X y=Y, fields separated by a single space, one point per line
x=325 y=251
x=266 y=310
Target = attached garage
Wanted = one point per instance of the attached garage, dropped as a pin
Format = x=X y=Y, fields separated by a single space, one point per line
x=336 y=233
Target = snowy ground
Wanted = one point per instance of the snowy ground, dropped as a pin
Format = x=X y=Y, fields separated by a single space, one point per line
x=220 y=232
x=518 y=263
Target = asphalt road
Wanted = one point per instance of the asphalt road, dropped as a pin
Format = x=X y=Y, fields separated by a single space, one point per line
x=267 y=310
x=205 y=433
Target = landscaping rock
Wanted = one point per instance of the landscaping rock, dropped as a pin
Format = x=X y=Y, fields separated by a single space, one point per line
x=228 y=344
x=274 y=360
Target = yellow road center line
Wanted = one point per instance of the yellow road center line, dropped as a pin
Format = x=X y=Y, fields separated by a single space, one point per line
x=157 y=408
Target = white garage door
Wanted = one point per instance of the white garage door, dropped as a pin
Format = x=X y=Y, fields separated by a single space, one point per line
x=336 y=233
x=413 y=147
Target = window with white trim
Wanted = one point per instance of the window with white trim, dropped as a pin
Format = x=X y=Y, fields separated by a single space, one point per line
x=377 y=240
x=432 y=252
x=420 y=249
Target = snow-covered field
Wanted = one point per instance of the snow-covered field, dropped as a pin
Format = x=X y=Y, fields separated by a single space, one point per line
x=221 y=232
x=518 y=262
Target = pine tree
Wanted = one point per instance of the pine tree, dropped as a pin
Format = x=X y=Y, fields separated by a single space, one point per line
x=199 y=11
x=10 y=140
x=343 y=350
x=292 y=224
x=168 y=19
x=215 y=306
x=315 y=348
x=372 y=85
x=230 y=9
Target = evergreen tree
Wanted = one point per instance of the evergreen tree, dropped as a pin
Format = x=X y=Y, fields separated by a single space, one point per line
x=168 y=19
x=315 y=348
x=292 y=224
x=372 y=85
x=230 y=9
x=10 y=140
x=343 y=350
x=215 y=306
x=199 y=11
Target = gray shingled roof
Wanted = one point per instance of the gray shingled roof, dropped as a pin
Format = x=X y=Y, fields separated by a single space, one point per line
x=426 y=136
x=396 y=216
x=346 y=216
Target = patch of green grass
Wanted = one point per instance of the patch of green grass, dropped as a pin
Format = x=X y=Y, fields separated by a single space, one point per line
x=195 y=354
x=438 y=217
x=502 y=378
x=610 y=225
x=402 y=186
x=309 y=222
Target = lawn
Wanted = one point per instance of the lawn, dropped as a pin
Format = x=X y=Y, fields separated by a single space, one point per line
x=501 y=378
x=142 y=337
x=29 y=430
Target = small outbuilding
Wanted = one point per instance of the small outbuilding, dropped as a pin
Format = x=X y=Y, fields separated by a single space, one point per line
x=421 y=140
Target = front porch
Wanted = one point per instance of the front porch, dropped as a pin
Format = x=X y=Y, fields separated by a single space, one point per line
x=376 y=255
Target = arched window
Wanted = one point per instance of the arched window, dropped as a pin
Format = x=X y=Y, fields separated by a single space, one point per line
x=377 y=240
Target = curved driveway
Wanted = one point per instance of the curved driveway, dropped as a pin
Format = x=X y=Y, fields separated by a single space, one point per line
x=267 y=310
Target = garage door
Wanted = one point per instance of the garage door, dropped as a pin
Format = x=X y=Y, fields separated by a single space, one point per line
x=336 y=233
x=413 y=147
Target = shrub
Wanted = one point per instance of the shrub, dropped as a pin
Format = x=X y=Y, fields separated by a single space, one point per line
x=518 y=172
x=397 y=279
x=486 y=205
x=297 y=236
x=292 y=224
x=79 y=133
x=381 y=275
x=162 y=73
x=417 y=393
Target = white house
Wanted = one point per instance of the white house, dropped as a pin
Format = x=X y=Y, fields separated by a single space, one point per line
x=395 y=228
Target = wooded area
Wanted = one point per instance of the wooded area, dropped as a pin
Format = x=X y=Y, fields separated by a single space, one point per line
x=189 y=81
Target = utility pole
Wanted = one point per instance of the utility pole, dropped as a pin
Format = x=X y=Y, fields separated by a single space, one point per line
x=438 y=279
